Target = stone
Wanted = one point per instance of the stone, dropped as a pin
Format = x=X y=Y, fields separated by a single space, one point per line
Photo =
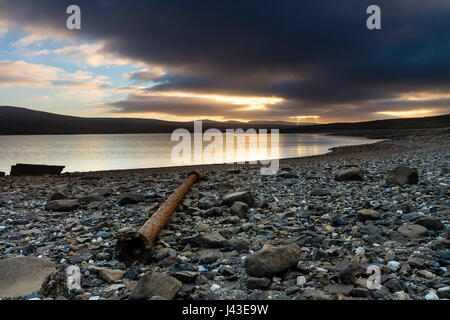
x=351 y=174
x=394 y=285
x=62 y=205
x=239 y=209
x=203 y=228
x=209 y=256
x=20 y=170
x=213 y=212
x=131 y=198
x=301 y=281
x=110 y=275
x=381 y=293
x=393 y=265
x=368 y=214
x=431 y=295
x=360 y=292
x=186 y=276
x=243 y=196
x=102 y=191
x=2 y=174
x=402 y=176
x=272 y=261
x=320 y=193
x=339 y=289
x=156 y=284
x=57 y=196
x=22 y=276
x=413 y=231
x=417 y=262
x=207 y=240
x=430 y=223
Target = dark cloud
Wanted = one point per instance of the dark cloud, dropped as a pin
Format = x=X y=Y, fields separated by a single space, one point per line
x=317 y=55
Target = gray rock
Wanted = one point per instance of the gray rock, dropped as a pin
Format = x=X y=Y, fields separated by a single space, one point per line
x=243 y=196
x=131 y=198
x=23 y=275
x=62 y=205
x=320 y=193
x=156 y=284
x=401 y=176
x=208 y=256
x=258 y=283
x=240 y=209
x=351 y=174
x=207 y=240
x=272 y=261
x=413 y=231
x=339 y=289
x=57 y=196
x=102 y=191
x=368 y=214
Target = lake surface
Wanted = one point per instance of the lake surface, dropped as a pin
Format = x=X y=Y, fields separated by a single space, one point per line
x=135 y=151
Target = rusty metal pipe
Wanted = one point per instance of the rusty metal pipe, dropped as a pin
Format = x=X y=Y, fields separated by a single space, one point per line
x=137 y=246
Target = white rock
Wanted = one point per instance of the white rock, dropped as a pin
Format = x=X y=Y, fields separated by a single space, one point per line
x=301 y=281
x=360 y=251
x=431 y=296
x=95 y=298
x=214 y=287
x=393 y=265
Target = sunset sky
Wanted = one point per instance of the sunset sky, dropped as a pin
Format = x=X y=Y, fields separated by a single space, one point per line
x=310 y=61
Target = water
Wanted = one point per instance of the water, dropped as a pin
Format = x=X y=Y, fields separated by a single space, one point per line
x=135 y=151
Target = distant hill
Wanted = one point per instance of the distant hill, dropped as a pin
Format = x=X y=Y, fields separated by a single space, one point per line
x=21 y=121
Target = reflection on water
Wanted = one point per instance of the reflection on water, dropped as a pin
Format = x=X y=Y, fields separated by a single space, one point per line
x=108 y=152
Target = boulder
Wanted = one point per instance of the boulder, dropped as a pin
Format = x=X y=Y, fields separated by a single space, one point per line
x=413 y=231
x=62 y=205
x=271 y=261
x=156 y=284
x=22 y=276
x=351 y=174
x=401 y=176
x=430 y=223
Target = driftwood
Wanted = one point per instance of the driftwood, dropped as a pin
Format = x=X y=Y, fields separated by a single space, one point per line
x=35 y=170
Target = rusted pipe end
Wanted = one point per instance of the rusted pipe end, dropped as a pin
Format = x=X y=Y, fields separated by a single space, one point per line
x=200 y=176
x=133 y=247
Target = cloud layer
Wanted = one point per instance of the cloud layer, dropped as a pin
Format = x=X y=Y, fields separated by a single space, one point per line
x=316 y=57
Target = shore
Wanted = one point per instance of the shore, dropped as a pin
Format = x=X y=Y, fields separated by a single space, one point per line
x=298 y=235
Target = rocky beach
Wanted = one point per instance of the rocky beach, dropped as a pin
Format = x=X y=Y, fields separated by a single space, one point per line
x=308 y=233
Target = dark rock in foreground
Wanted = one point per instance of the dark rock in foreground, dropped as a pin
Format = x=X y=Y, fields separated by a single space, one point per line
x=156 y=284
x=23 y=275
x=243 y=196
x=271 y=261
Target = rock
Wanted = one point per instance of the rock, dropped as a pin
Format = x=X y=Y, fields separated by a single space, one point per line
x=203 y=228
x=89 y=199
x=431 y=296
x=381 y=293
x=209 y=256
x=186 y=276
x=243 y=196
x=417 y=262
x=131 y=198
x=393 y=265
x=207 y=240
x=351 y=174
x=258 y=283
x=156 y=284
x=301 y=281
x=206 y=204
x=57 y=196
x=314 y=294
x=413 y=231
x=368 y=214
x=213 y=212
x=271 y=261
x=23 y=275
x=339 y=289
x=62 y=205
x=401 y=176
x=34 y=170
x=394 y=285
x=320 y=193
x=360 y=292
x=2 y=174
x=110 y=275
x=430 y=223
x=240 y=209
x=102 y=191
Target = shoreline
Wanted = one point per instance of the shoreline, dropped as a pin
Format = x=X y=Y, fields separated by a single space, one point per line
x=322 y=232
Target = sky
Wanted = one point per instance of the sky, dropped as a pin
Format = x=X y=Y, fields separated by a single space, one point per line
x=285 y=60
